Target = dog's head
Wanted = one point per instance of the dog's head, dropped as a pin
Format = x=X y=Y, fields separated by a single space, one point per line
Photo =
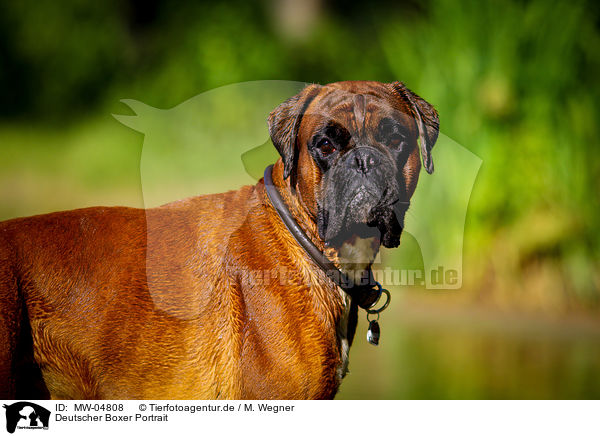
x=351 y=151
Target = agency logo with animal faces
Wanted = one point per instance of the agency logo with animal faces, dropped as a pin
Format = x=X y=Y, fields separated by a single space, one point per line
x=26 y=416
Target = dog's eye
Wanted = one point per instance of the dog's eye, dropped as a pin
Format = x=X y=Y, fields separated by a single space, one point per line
x=326 y=146
x=396 y=141
x=391 y=134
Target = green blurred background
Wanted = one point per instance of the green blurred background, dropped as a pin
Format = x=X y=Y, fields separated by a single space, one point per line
x=514 y=82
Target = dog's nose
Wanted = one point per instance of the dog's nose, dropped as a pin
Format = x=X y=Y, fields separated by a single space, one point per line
x=364 y=160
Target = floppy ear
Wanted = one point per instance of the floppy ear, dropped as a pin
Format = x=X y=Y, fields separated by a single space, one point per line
x=427 y=120
x=284 y=122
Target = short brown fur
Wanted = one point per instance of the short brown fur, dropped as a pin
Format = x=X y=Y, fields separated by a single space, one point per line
x=122 y=303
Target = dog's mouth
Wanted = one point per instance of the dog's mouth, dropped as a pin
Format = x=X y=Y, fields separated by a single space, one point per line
x=366 y=211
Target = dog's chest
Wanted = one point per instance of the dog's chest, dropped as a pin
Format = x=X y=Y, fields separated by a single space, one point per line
x=342 y=337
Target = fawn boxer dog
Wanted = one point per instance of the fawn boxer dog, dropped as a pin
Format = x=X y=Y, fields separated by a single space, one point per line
x=123 y=303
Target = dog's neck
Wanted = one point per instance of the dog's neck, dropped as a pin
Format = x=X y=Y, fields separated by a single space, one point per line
x=354 y=256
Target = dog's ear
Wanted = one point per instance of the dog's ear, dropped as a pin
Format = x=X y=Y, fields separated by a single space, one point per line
x=427 y=120
x=284 y=123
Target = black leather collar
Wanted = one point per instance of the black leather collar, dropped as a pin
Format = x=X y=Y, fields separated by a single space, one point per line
x=366 y=295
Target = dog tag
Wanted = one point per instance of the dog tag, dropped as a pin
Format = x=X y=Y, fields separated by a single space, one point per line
x=373 y=333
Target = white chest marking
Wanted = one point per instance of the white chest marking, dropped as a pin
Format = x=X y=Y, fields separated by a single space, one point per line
x=342 y=335
x=354 y=258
